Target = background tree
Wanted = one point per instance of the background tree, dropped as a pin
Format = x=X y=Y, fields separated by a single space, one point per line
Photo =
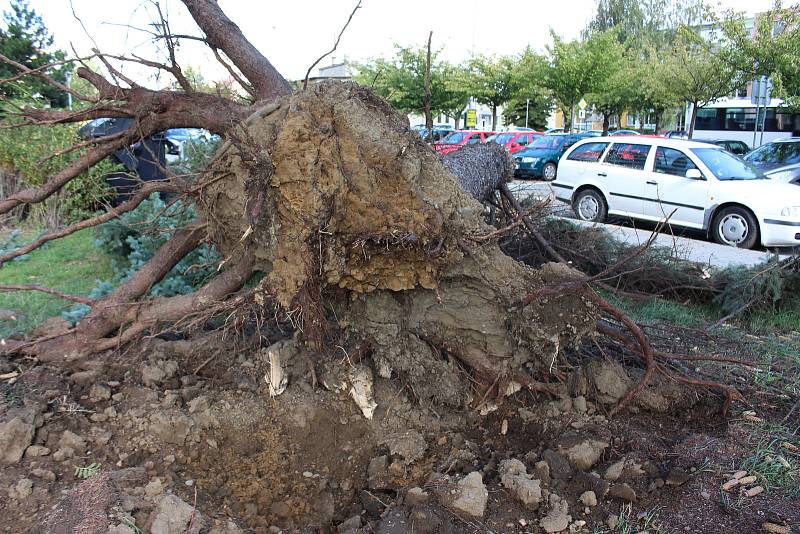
x=615 y=82
x=531 y=96
x=25 y=40
x=695 y=72
x=452 y=91
x=570 y=75
x=401 y=81
x=650 y=95
x=493 y=82
x=771 y=48
x=645 y=23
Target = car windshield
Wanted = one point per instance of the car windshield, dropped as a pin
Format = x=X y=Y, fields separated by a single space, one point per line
x=549 y=142
x=726 y=166
x=776 y=153
x=501 y=139
x=454 y=138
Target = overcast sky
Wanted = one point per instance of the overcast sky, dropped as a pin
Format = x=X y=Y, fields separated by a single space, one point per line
x=293 y=33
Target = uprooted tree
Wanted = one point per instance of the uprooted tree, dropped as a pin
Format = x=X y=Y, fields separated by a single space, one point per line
x=331 y=213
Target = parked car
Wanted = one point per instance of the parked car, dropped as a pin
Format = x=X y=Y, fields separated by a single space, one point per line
x=789 y=174
x=540 y=159
x=183 y=141
x=514 y=141
x=440 y=131
x=623 y=132
x=143 y=161
x=459 y=138
x=554 y=131
x=740 y=148
x=776 y=154
x=695 y=185
x=676 y=134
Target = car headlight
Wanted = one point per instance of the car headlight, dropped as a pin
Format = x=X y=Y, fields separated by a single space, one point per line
x=529 y=160
x=791 y=211
x=783 y=176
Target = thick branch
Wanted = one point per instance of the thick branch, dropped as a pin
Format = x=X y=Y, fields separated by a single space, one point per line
x=222 y=33
x=108 y=314
x=146 y=315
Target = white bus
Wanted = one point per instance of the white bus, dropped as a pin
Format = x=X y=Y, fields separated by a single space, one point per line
x=735 y=118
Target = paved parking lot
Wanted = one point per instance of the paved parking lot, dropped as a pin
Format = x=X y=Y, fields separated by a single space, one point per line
x=686 y=247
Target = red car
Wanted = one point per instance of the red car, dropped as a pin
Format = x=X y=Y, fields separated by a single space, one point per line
x=459 y=138
x=514 y=141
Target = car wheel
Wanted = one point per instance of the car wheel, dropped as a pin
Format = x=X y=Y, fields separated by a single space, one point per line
x=735 y=227
x=549 y=172
x=589 y=205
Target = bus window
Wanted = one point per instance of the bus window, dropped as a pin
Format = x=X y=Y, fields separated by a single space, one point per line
x=740 y=119
x=709 y=119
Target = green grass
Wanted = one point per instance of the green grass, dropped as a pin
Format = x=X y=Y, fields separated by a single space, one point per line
x=630 y=523
x=72 y=265
x=656 y=309
x=775 y=464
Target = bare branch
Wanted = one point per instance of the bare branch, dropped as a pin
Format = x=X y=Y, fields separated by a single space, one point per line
x=175 y=69
x=335 y=45
x=37 y=194
x=145 y=191
x=39 y=73
x=246 y=86
x=49 y=291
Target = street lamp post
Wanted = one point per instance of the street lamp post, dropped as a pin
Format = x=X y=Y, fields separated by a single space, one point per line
x=527 y=103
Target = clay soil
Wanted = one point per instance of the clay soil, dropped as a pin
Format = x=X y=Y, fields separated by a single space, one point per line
x=196 y=421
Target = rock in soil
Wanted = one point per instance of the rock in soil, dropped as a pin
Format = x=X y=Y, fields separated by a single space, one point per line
x=623 y=492
x=173 y=516
x=410 y=445
x=513 y=476
x=557 y=519
x=472 y=495
x=588 y=498
x=22 y=490
x=15 y=436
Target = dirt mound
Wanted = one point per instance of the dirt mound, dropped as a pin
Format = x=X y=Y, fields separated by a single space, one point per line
x=216 y=452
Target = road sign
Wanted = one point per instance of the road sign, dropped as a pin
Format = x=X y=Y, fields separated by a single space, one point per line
x=761 y=91
x=472 y=118
x=583 y=104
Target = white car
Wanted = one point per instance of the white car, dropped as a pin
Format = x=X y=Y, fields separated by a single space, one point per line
x=695 y=185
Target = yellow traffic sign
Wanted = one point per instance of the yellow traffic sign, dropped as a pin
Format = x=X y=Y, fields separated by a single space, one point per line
x=583 y=104
x=472 y=118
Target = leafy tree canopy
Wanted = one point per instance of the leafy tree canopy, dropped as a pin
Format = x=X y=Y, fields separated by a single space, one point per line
x=401 y=80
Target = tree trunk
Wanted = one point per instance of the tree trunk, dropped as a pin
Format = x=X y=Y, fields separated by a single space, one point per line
x=568 y=118
x=606 y=121
x=427 y=96
x=494 y=117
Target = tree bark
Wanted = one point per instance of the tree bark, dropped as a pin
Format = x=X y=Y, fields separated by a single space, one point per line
x=222 y=33
x=606 y=122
